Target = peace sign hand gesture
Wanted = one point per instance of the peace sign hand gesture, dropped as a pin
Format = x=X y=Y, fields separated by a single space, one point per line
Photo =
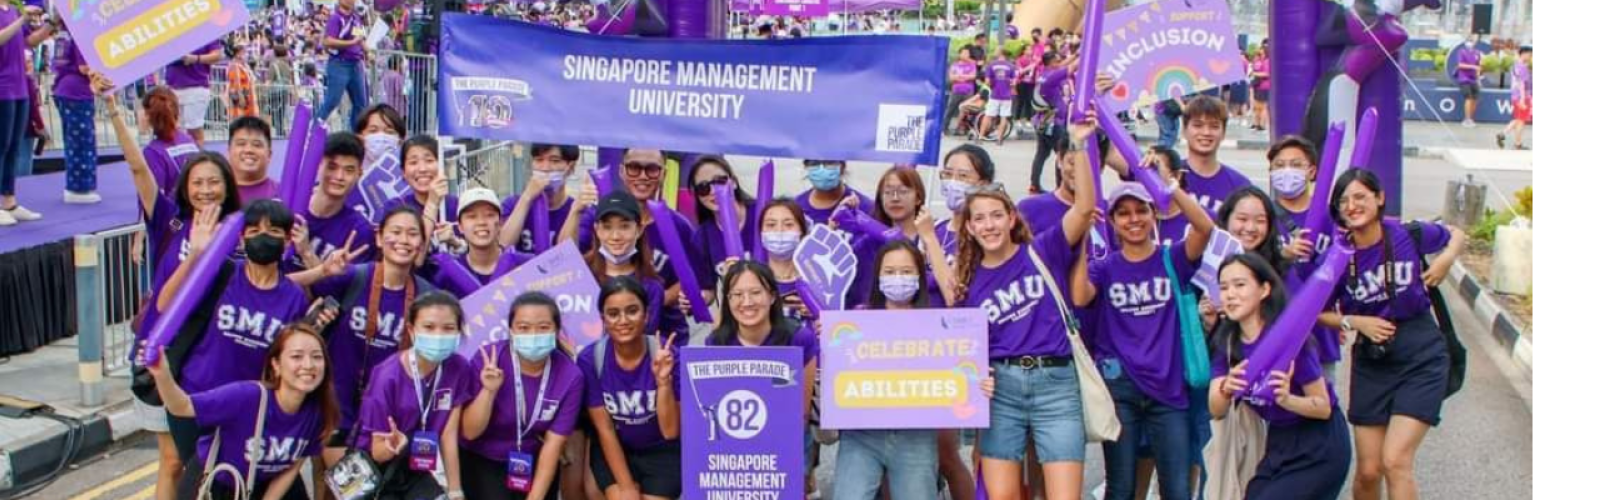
x=664 y=361
x=391 y=442
x=338 y=262
x=492 y=376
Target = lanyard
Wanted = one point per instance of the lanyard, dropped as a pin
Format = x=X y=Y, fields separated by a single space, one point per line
x=416 y=383
x=544 y=383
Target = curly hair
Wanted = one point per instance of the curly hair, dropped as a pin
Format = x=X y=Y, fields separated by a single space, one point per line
x=969 y=254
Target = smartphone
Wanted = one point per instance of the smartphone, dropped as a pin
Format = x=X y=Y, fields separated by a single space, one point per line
x=328 y=304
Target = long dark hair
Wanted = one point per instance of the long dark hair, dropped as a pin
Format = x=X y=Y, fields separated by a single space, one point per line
x=322 y=396
x=789 y=204
x=1354 y=175
x=739 y=193
x=876 y=299
x=230 y=188
x=727 y=332
x=1226 y=336
x=643 y=261
x=1271 y=248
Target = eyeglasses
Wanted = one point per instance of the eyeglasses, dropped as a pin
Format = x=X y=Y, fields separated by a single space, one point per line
x=897 y=194
x=747 y=297
x=703 y=188
x=650 y=171
x=1295 y=164
x=947 y=174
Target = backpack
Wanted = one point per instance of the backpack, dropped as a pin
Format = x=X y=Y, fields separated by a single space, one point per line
x=652 y=344
x=1441 y=314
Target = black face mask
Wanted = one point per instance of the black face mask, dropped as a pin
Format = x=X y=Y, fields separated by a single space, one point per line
x=263 y=248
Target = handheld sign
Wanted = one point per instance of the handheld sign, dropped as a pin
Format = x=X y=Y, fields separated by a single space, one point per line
x=127 y=40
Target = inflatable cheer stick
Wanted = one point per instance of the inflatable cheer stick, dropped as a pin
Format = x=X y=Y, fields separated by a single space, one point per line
x=1366 y=131
x=289 y=179
x=764 y=187
x=728 y=219
x=808 y=297
x=453 y=275
x=541 y=222
x=196 y=285
x=310 y=161
x=1282 y=341
x=667 y=233
x=1317 y=221
x=1088 y=59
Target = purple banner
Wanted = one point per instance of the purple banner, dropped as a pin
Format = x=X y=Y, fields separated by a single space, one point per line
x=128 y=40
x=1166 y=49
x=559 y=273
x=915 y=369
x=826 y=261
x=743 y=422
x=802 y=8
x=382 y=177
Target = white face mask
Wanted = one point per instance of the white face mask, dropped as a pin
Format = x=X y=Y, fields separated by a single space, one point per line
x=617 y=260
x=781 y=243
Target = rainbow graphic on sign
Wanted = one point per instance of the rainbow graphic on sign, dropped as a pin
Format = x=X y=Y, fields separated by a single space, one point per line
x=1173 y=80
x=969 y=369
x=844 y=332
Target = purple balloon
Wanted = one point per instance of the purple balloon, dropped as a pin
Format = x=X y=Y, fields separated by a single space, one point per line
x=602 y=180
x=1096 y=166
x=857 y=222
x=1282 y=341
x=668 y=235
x=541 y=223
x=1317 y=221
x=309 y=165
x=728 y=219
x=1160 y=193
x=1365 y=132
x=764 y=185
x=453 y=275
x=808 y=297
x=289 y=180
x=1089 y=58
x=195 y=285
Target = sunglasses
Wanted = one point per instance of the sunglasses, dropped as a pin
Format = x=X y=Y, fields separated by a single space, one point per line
x=703 y=188
x=648 y=170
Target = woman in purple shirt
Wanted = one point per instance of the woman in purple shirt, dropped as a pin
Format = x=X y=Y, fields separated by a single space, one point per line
x=829 y=191
x=783 y=224
x=291 y=406
x=16 y=35
x=709 y=171
x=550 y=166
x=75 y=102
x=430 y=190
x=168 y=150
x=514 y=437
x=1307 y=442
x=411 y=410
x=631 y=392
x=1400 y=370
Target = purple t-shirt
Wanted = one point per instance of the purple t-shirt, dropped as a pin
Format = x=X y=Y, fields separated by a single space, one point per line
x=964 y=68
x=708 y=238
x=1001 y=73
x=1467 y=55
x=1210 y=192
x=166 y=160
x=70 y=83
x=1307 y=369
x=1327 y=339
x=347 y=336
x=1138 y=320
x=231 y=409
x=1173 y=230
x=818 y=215
x=392 y=394
x=13 y=57
x=183 y=76
x=866 y=249
x=629 y=396
x=267 y=189
x=329 y=234
x=1024 y=318
x=803 y=337
x=342 y=26
x=557 y=216
x=1369 y=296
x=558 y=413
x=247 y=319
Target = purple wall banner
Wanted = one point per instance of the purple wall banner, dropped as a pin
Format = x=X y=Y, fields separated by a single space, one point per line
x=827 y=262
x=128 y=40
x=1168 y=48
x=559 y=273
x=743 y=422
x=802 y=8
x=382 y=176
x=884 y=93
x=916 y=369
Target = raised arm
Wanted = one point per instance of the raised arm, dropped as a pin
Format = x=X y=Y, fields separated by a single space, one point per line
x=1200 y=224
x=144 y=182
x=1080 y=217
x=1083 y=290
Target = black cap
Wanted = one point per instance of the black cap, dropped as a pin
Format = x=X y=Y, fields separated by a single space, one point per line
x=618 y=202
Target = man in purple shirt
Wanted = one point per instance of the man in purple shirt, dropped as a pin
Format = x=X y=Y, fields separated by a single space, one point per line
x=1205 y=123
x=1467 y=65
x=330 y=221
x=1001 y=75
x=250 y=155
x=190 y=78
x=345 y=36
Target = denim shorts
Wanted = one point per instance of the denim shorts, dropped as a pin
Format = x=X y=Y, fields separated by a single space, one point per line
x=1042 y=403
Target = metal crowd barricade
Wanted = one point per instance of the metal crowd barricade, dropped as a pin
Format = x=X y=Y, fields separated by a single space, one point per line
x=492 y=166
x=109 y=288
x=408 y=81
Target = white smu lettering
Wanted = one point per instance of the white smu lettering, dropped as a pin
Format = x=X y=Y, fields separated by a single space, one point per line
x=322 y=248
x=1152 y=291
x=231 y=318
x=389 y=325
x=630 y=403
x=183 y=250
x=1371 y=286
x=1012 y=296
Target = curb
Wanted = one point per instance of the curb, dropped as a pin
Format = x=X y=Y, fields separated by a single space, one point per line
x=39 y=458
x=1508 y=332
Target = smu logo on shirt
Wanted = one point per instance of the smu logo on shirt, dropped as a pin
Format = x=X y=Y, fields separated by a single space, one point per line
x=322 y=248
x=280 y=450
x=1142 y=297
x=1370 y=287
x=631 y=407
x=389 y=326
x=1014 y=300
x=239 y=321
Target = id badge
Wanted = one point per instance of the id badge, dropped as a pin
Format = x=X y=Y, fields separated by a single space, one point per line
x=424 y=451
x=519 y=471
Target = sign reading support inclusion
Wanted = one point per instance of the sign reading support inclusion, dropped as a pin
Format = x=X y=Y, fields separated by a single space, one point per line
x=870 y=98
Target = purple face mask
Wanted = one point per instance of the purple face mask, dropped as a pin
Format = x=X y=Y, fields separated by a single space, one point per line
x=1289 y=182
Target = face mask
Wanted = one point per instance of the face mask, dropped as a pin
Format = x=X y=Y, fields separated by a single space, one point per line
x=535 y=346
x=557 y=180
x=824 y=178
x=435 y=347
x=955 y=193
x=781 y=243
x=617 y=260
x=1289 y=182
x=379 y=143
x=898 y=288
x=263 y=248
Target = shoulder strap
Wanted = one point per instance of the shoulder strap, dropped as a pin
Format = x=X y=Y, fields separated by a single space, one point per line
x=255 y=455
x=1055 y=291
x=600 y=356
x=195 y=325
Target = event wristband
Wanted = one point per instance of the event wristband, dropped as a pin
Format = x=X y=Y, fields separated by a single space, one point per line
x=1344 y=322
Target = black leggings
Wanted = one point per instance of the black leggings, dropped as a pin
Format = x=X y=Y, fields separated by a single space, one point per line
x=1047 y=143
x=485 y=479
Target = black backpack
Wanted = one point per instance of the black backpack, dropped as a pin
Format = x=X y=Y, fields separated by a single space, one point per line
x=1441 y=314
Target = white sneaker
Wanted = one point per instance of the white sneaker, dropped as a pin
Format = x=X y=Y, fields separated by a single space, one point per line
x=88 y=198
x=22 y=214
x=1469 y=124
x=6 y=219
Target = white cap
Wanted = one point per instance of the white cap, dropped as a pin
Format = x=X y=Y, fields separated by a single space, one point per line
x=475 y=196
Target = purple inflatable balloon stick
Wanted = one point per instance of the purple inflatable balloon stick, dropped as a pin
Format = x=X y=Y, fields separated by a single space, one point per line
x=728 y=219
x=195 y=285
x=453 y=275
x=1123 y=143
x=808 y=297
x=1089 y=58
x=541 y=223
x=1365 y=133
x=288 y=181
x=765 y=180
x=1096 y=168
x=603 y=185
x=1317 y=221
x=310 y=164
x=857 y=222
x=1282 y=341
x=668 y=235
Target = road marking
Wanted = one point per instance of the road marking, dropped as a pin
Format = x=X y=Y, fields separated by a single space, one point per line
x=126 y=479
x=145 y=494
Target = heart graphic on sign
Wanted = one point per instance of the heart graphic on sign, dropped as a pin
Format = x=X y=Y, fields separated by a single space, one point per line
x=222 y=18
x=964 y=411
x=592 y=330
x=1218 y=67
x=1120 y=91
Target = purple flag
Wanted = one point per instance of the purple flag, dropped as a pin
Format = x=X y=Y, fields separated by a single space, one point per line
x=1283 y=340
x=1221 y=246
x=679 y=258
x=915 y=369
x=1166 y=49
x=825 y=260
x=560 y=273
x=728 y=219
x=133 y=39
x=196 y=284
x=743 y=419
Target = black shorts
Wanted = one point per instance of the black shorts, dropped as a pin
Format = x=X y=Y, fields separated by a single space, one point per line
x=1409 y=381
x=1470 y=90
x=658 y=470
x=1263 y=94
x=483 y=478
